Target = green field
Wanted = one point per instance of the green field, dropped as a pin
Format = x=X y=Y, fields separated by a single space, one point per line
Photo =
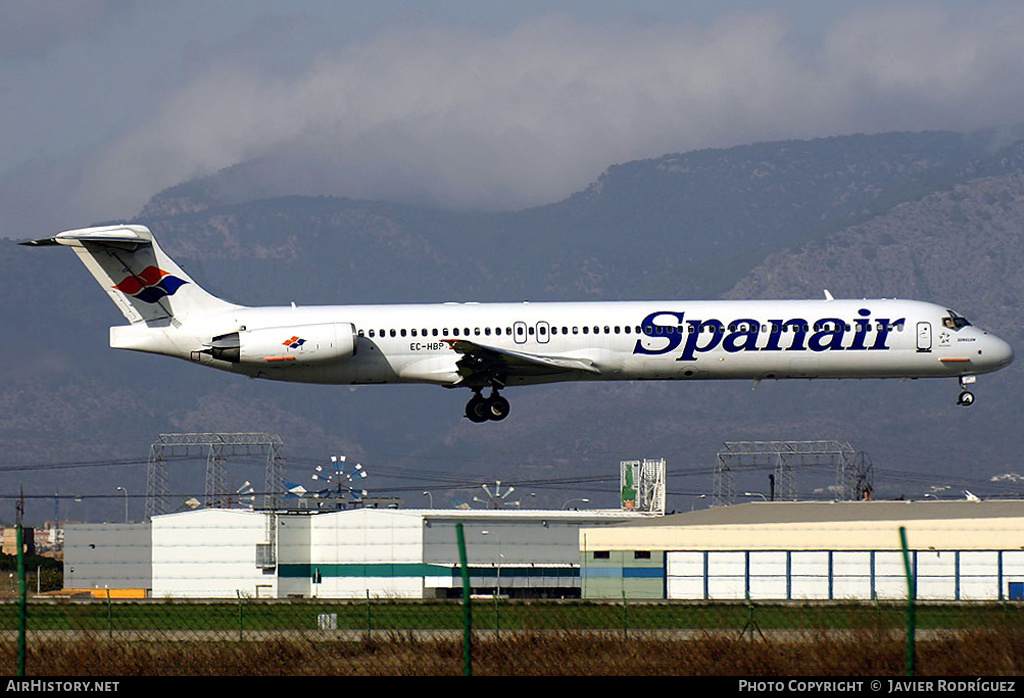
x=99 y=615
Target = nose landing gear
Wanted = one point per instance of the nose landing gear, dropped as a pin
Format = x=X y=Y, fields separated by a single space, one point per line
x=966 y=397
x=492 y=408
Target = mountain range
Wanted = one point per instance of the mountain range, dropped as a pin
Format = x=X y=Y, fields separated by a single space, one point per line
x=935 y=216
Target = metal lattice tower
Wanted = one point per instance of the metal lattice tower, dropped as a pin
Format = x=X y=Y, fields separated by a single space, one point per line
x=853 y=470
x=858 y=481
x=217 y=448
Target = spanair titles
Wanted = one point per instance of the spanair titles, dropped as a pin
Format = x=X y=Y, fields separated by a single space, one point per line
x=693 y=337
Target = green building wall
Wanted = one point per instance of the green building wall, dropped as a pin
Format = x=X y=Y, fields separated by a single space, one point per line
x=616 y=574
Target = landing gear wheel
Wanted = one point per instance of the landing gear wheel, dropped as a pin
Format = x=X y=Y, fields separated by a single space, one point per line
x=476 y=409
x=966 y=399
x=497 y=408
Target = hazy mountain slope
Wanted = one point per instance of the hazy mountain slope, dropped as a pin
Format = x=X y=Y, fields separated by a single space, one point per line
x=963 y=246
x=679 y=226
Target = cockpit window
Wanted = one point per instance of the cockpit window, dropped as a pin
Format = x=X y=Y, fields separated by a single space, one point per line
x=954 y=321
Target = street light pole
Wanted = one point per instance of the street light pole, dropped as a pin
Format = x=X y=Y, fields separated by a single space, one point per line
x=497 y=588
x=122 y=489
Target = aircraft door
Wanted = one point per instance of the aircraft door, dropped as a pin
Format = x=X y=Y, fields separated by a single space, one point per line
x=543 y=332
x=924 y=336
x=519 y=332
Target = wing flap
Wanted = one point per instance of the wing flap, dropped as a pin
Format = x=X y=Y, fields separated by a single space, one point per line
x=483 y=361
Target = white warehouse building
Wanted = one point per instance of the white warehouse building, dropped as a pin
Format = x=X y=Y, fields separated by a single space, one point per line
x=391 y=553
x=958 y=551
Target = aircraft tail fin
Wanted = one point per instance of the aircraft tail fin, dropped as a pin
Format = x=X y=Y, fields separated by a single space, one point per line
x=145 y=284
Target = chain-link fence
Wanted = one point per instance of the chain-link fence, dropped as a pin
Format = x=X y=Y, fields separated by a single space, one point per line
x=391 y=637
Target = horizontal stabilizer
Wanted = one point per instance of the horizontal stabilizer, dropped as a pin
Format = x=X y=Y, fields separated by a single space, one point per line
x=120 y=236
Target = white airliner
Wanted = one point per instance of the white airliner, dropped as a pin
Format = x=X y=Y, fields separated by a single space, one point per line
x=490 y=346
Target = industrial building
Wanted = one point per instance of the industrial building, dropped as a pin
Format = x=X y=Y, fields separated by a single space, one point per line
x=833 y=551
x=959 y=551
x=390 y=553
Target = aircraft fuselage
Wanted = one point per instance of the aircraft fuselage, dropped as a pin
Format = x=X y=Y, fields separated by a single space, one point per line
x=627 y=340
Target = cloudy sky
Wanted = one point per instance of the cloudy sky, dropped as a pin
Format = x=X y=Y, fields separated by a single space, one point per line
x=460 y=103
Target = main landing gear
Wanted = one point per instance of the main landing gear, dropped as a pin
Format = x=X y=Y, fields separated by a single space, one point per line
x=480 y=409
x=966 y=398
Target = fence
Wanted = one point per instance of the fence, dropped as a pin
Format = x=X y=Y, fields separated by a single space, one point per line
x=382 y=637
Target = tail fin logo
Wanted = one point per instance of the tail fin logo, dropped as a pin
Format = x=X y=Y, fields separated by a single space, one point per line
x=150 y=285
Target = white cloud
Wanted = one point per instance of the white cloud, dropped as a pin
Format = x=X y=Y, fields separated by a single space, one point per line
x=919 y=64
x=529 y=116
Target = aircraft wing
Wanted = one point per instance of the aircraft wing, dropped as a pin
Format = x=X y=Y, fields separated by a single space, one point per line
x=482 y=364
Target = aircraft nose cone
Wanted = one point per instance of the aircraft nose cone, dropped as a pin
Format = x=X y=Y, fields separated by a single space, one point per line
x=998 y=353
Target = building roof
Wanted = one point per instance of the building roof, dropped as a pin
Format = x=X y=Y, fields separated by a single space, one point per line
x=450 y=514
x=809 y=512
x=942 y=525
x=526 y=514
